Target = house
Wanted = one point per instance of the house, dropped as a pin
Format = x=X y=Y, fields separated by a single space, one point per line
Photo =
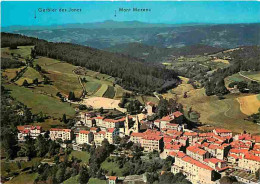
x=85 y=137
x=111 y=134
x=217 y=164
x=99 y=137
x=193 y=136
x=63 y=134
x=112 y=179
x=222 y=132
x=195 y=171
x=28 y=130
x=197 y=153
x=249 y=162
x=152 y=142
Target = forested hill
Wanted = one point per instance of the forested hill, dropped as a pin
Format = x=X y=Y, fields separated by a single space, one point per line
x=156 y=54
x=131 y=73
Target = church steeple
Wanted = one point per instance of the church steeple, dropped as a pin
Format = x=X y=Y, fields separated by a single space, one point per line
x=136 y=125
x=127 y=125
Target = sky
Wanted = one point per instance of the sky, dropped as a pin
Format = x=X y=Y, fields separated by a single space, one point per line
x=22 y=13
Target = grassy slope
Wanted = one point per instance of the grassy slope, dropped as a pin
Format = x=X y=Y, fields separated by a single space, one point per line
x=82 y=155
x=111 y=166
x=41 y=103
x=220 y=113
x=110 y=93
x=29 y=75
x=23 y=178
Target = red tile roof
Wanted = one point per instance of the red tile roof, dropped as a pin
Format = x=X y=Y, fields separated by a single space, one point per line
x=172 y=146
x=190 y=134
x=177 y=114
x=252 y=157
x=196 y=163
x=214 y=160
x=150 y=103
x=196 y=150
x=222 y=130
x=112 y=177
x=135 y=134
x=257 y=139
x=84 y=132
x=110 y=130
x=60 y=129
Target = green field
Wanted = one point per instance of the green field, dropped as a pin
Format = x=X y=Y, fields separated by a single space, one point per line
x=111 y=167
x=23 y=178
x=91 y=87
x=101 y=90
x=41 y=103
x=23 y=51
x=110 y=93
x=10 y=73
x=72 y=180
x=252 y=75
x=82 y=155
x=30 y=74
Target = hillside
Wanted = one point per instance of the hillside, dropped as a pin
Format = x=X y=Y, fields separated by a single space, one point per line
x=108 y=34
x=130 y=73
x=155 y=54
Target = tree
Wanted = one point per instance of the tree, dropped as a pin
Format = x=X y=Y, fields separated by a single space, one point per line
x=162 y=109
x=27 y=148
x=25 y=83
x=33 y=53
x=35 y=81
x=9 y=142
x=41 y=146
x=38 y=68
x=64 y=119
x=101 y=110
x=46 y=80
x=254 y=87
x=242 y=86
x=83 y=175
x=71 y=96
x=60 y=175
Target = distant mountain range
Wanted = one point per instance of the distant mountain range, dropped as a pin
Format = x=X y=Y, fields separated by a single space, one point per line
x=96 y=25
x=108 y=34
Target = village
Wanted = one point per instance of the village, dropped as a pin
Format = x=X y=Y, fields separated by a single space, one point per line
x=203 y=157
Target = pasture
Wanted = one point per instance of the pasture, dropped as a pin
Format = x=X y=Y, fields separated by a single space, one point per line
x=30 y=74
x=40 y=102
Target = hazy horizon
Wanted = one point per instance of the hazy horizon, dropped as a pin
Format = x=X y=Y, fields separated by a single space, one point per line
x=170 y=13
